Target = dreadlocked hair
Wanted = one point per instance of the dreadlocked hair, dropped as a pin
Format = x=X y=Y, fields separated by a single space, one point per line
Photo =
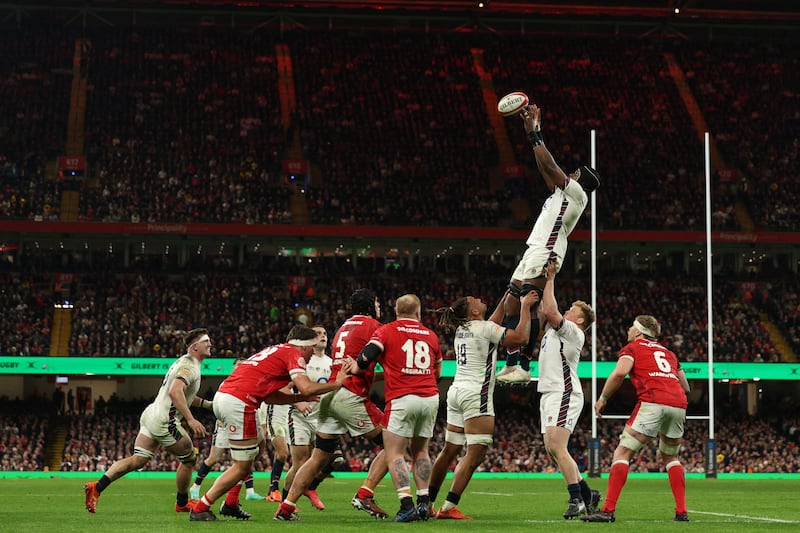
x=455 y=315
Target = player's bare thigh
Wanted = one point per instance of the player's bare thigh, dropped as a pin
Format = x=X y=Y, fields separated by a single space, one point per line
x=479 y=425
x=146 y=443
x=183 y=447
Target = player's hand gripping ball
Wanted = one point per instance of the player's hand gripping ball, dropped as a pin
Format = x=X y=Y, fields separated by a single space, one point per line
x=512 y=104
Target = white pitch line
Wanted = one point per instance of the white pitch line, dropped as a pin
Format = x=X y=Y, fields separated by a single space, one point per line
x=492 y=493
x=745 y=517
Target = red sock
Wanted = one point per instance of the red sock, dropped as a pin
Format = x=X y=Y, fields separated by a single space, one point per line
x=677 y=482
x=364 y=492
x=232 y=498
x=286 y=508
x=616 y=480
x=202 y=504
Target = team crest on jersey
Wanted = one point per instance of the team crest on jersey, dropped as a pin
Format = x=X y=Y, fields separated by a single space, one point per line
x=361 y=424
x=232 y=428
x=301 y=362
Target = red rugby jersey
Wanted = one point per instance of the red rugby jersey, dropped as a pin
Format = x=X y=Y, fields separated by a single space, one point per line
x=263 y=373
x=410 y=355
x=655 y=373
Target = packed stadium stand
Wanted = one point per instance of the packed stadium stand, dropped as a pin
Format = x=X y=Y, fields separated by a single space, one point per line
x=182 y=131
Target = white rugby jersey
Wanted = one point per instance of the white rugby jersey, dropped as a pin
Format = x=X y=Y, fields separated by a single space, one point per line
x=560 y=214
x=186 y=368
x=318 y=370
x=559 y=355
x=476 y=345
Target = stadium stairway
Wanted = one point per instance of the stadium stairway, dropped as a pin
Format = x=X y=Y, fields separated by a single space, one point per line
x=286 y=90
x=54 y=452
x=70 y=201
x=504 y=148
x=778 y=340
x=61 y=331
x=77 y=100
x=743 y=217
x=299 y=209
x=288 y=99
x=520 y=208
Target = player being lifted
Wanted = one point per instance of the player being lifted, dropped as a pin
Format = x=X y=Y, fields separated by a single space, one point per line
x=548 y=238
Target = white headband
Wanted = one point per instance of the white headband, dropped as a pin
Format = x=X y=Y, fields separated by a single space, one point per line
x=204 y=337
x=645 y=331
x=299 y=342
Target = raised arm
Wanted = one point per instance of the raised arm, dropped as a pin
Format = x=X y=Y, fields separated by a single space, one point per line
x=551 y=172
x=522 y=334
x=498 y=313
x=548 y=310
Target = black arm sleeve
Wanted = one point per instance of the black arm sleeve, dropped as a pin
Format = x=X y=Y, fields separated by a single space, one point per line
x=368 y=354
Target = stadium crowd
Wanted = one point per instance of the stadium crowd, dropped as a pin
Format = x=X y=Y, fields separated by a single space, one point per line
x=194 y=135
x=96 y=439
x=738 y=87
x=185 y=127
x=141 y=314
x=22 y=442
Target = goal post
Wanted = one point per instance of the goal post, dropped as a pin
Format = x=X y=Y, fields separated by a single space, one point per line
x=594 y=451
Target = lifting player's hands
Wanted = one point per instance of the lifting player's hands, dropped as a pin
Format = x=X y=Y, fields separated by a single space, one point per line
x=550 y=270
x=530 y=299
x=531 y=118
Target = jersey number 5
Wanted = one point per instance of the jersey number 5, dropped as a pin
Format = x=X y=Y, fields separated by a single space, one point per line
x=340 y=345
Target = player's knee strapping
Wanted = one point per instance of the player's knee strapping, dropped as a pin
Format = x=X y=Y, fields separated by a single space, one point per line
x=142 y=452
x=327 y=445
x=514 y=291
x=630 y=442
x=188 y=458
x=484 y=439
x=668 y=449
x=338 y=457
x=454 y=438
x=244 y=453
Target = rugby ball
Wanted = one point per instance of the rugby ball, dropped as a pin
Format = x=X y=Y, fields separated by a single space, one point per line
x=512 y=104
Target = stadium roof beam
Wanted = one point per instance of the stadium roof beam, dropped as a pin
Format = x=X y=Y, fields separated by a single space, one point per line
x=496 y=16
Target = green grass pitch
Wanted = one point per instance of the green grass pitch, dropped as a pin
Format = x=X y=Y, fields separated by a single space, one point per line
x=139 y=503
